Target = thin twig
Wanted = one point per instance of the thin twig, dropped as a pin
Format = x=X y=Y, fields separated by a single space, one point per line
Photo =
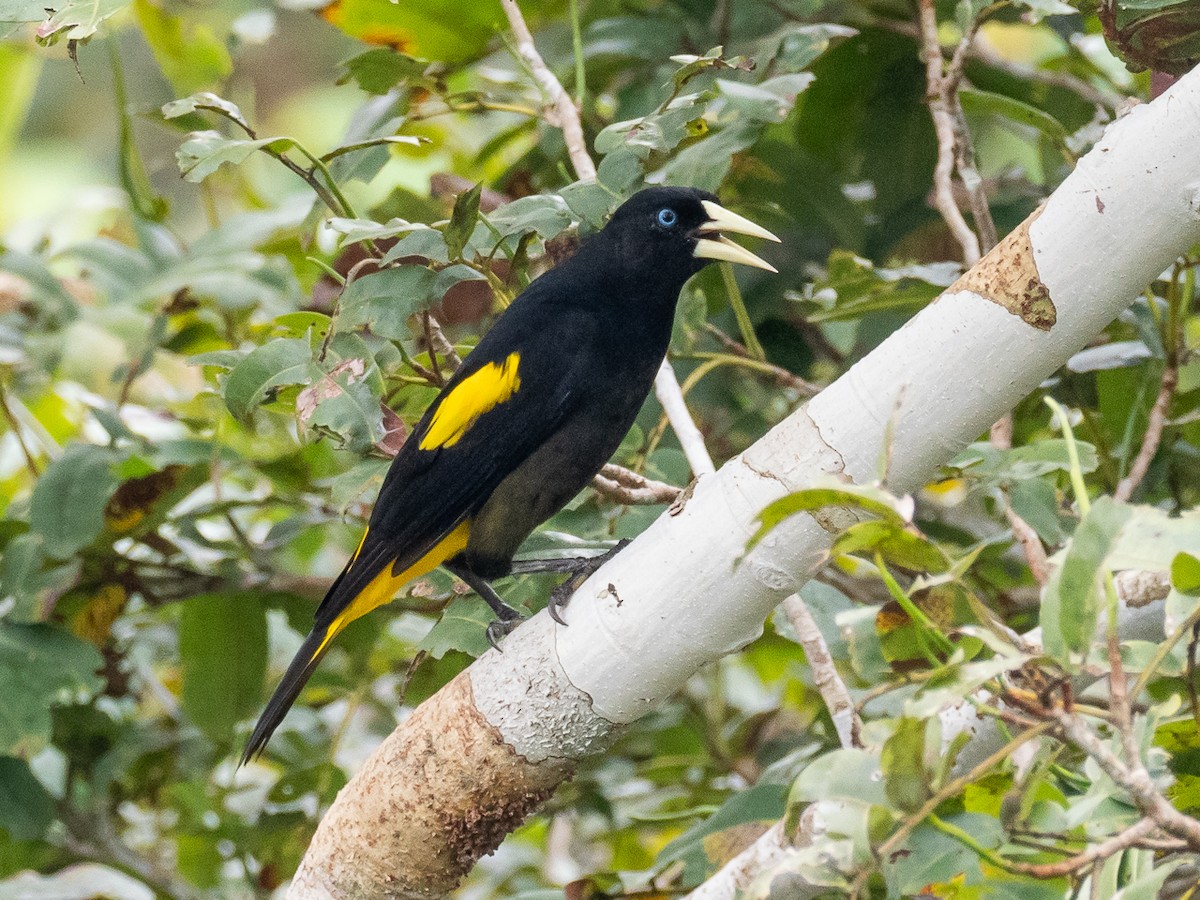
x=670 y=395
x=566 y=116
x=15 y=427
x=427 y=321
x=1153 y=436
x=950 y=789
x=440 y=345
x=944 y=126
x=1023 y=532
x=829 y=683
x=782 y=376
x=1133 y=778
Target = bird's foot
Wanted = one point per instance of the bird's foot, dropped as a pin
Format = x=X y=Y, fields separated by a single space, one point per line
x=581 y=572
x=501 y=628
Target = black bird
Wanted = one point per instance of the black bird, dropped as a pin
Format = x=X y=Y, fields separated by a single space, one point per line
x=532 y=414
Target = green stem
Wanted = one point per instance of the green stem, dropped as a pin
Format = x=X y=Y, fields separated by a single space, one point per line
x=1064 y=424
x=749 y=338
x=131 y=170
x=319 y=164
x=577 y=44
x=969 y=842
x=914 y=612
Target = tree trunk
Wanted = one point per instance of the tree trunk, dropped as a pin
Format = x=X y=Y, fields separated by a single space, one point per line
x=475 y=759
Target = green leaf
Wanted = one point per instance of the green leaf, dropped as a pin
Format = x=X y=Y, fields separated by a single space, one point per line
x=760 y=804
x=379 y=70
x=223 y=658
x=858 y=627
x=462 y=220
x=986 y=103
x=850 y=774
x=795 y=46
x=1072 y=599
x=40 y=665
x=462 y=626
x=1185 y=573
x=444 y=30
x=345 y=403
x=205 y=100
x=853 y=287
x=848 y=497
x=384 y=300
x=26 y=809
x=68 y=503
x=982 y=460
x=77 y=20
x=354 y=230
x=1036 y=501
x=930 y=857
x=545 y=214
x=280 y=362
x=903 y=760
x=22 y=575
x=206 y=151
x=187 y=51
x=897 y=543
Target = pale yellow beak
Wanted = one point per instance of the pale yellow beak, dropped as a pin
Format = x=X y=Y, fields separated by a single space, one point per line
x=721 y=219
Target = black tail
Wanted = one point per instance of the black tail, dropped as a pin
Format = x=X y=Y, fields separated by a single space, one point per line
x=290 y=686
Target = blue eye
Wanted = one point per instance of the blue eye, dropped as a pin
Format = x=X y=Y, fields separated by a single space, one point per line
x=667 y=217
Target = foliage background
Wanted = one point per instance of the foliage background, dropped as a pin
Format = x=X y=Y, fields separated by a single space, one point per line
x=194 y=424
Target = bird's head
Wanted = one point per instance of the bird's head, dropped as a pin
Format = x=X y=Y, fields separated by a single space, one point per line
x=676 y=231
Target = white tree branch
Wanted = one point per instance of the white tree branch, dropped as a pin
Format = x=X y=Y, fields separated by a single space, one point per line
x=483 y=753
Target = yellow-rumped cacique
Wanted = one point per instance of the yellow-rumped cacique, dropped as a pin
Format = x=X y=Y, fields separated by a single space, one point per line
x=535 y=410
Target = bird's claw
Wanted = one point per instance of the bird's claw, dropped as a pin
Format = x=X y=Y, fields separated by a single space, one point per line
x=499 y=629
x=561 y=595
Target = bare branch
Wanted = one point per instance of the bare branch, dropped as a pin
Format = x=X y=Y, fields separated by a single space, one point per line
x=670 y=395
x=829 y=683
x=438 y=344
x=566 y=116
x=1031 y=544
x=1130 y=837
x=1153 y=436
x=1134 y=779
x=938 y=88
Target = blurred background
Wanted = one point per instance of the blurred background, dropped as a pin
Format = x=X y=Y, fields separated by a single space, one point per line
x=187 y=454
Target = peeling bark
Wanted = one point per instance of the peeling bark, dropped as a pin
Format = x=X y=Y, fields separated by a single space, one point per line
x=1009 y=276
x=464 y=789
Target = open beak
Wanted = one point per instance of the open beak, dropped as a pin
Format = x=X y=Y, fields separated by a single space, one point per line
x=720 y=247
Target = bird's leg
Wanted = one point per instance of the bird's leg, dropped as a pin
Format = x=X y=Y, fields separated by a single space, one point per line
x=506 y=619
x=581 y=569
x=564 y=564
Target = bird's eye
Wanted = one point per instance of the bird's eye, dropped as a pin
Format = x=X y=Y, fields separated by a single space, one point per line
x=667 y=217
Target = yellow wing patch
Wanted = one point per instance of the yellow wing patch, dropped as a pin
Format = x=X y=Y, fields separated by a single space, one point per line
x=383 y=587
x=476 y=394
